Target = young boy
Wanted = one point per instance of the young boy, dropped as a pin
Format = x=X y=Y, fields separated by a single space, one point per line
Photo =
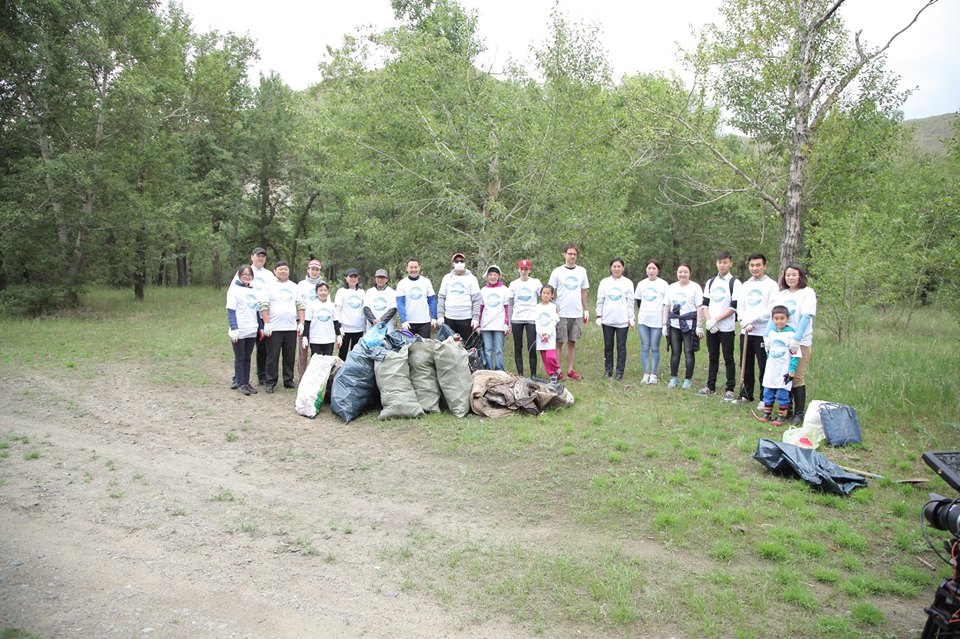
x=547 y=320
x=781 y=366
x=321 y=327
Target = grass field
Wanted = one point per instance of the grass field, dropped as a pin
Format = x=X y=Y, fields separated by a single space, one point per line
x=674 y=525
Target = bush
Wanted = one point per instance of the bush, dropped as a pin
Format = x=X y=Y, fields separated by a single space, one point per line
x=32 y=301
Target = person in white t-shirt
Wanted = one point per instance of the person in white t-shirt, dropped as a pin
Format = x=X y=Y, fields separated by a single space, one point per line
x=458 y=301
x=526 y=296
x=571 y=283
x=308 y=293
x=416 y=301
x=494 y=318
x=547 y=320
x=721 y=295
x=349 y=304
x=262 y=278
x=243 y=318
x=782 y=365
x=282 y=314
x=380 y=302
x=801 y=301
x=650 y=295
x=615 y=316
x=682 y=318
x=753 y=311
x=321 y=328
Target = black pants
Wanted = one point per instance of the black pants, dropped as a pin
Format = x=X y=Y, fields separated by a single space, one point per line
x=349 y=341
x=754 y=346
x=281 y=342
x=620 y=334
x=681 y=342
x=423 y=329
x=321 y=349
x=261 y=360
x=471 y=338
x=518 y=329
x=241 y=360
x=715 y=343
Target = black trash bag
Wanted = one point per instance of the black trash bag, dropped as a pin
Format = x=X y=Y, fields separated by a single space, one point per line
x=808 y=465
x=398 y=339
x=444 y=332
x=355 y=387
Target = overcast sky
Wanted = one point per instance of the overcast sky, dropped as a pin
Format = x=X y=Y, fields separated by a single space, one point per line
x=638 y=35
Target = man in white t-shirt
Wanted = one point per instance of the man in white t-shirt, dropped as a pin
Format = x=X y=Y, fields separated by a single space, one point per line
x=753 y=310
x=262 y=278
x=720 y=296
x=416 y=301
x=282 y=313
x=571 y=284
x=380 y=301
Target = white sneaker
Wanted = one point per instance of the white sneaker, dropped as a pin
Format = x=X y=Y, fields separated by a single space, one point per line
x=653 y=379
x=760 y=406
x=646 y=379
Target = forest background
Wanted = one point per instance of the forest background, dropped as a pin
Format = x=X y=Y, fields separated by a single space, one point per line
x=136 y=152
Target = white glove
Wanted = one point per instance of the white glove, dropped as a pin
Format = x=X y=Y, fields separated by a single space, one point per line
x=433 y=324
x=341 y=334
x=305 y=342
x=586 y=316
x=746 y=328
x=794 y=346
x=666 y=331
x=234 y=335
x=474 y=324
x=405 y=326
x=339 y=341
x=300 y=328
x=599 y=322
x=766 y=345
x=700 y=332
x=268 y=329
x=711 y=325
x=439 y=321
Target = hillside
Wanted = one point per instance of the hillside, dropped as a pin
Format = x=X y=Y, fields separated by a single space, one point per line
x=930 y=133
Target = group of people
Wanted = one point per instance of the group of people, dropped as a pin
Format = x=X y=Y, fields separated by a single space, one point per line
x=279 y=318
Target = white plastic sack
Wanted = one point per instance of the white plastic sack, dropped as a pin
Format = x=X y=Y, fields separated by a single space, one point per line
x=313 y=384
x=808 y=435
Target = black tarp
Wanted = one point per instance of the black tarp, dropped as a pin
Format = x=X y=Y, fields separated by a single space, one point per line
x=808 y=465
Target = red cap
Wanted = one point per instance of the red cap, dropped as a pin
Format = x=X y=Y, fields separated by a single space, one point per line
x=525 y=264
x=313 y=263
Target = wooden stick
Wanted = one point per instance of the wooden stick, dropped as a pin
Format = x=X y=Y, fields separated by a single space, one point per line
x=862 y=473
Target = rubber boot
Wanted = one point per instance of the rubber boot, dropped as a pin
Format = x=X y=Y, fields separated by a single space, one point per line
x=799 y=404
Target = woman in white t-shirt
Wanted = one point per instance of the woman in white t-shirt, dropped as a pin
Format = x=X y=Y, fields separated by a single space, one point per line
x=615 y=316
x=650 y=295
x=526 y=295
x=801 y=301
x=242 y=313
x=683 y=307
x=349 y=304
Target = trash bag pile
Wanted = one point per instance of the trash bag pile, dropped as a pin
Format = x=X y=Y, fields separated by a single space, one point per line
x=406 y=376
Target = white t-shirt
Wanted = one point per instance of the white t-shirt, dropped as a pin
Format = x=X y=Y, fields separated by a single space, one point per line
x=778 y=358
x=547 y=319
x=321 y=316
x=569 y=282
x=803 y=302
x=349 y=303
x=756 y=298
x=526 y=296
x=262 y=278
x=243 y=301
x=308 y=290
x=415 y=294
x=651 y=295
x=282 y=300
x=380 y=301
x=720 y=300
x=615 y=301
x=458 y=291
x=495 y=301
x=689 y=297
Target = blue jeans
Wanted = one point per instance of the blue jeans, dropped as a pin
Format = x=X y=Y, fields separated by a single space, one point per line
x=650 y=348
x=493 y=349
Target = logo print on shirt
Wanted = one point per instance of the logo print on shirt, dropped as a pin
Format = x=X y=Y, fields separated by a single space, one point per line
x=649 y=294
x=524 y=294
x=379 y=304
x=754 y=297
x=718 y=294
x=571 y=283
x=354 y=301
x=458 y=288
x=679 y=298
x=791 y=305
x=493 y=300
x=324 y=315
x=778 y=349
x=285 y=295
x=616 y=294
x=544 y=320
x=252 y=302
x=258 y=283
x=416 y=293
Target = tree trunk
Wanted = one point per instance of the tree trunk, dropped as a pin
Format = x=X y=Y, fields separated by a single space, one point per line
x=140 y=269
x=181 y=266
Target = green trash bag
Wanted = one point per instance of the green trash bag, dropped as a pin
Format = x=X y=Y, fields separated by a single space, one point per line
x=453 y=373
x=396 y=391
x=423 y=375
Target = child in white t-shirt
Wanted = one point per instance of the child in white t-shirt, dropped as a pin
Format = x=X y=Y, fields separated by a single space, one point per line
x=321 y=326
x=781 y=366
x=547 y=319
